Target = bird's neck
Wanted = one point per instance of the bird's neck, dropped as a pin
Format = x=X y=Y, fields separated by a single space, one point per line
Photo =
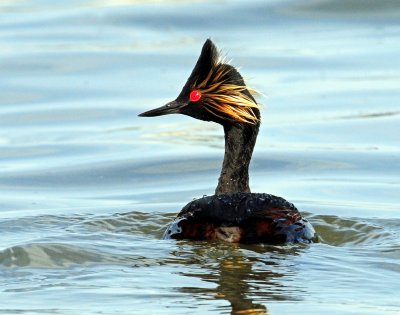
x=239 y=144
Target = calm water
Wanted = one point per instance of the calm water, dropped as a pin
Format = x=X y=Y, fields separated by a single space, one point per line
x=87 y=187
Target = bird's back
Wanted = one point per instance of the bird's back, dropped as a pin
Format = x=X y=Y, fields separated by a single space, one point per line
x=241 y=218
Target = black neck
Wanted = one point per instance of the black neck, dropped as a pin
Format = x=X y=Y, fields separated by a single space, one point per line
x=239 y=144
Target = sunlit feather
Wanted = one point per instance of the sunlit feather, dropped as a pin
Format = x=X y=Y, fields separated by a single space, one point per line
x=224 y=99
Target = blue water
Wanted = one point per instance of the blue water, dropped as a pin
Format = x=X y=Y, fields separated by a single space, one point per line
x=87 y=187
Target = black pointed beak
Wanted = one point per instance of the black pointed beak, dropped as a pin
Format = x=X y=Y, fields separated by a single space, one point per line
x=170 y=108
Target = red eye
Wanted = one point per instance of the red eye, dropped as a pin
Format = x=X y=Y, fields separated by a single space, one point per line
x=195 y=96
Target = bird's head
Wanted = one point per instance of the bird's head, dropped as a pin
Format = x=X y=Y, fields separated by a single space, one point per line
x=215 y=91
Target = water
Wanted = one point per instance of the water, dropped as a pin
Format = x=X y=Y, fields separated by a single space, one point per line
x=87 y=187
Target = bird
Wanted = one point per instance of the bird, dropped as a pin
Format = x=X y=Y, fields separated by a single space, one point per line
x=216 y=92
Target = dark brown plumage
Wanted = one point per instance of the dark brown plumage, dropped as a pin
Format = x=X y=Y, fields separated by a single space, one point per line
x=241 y=218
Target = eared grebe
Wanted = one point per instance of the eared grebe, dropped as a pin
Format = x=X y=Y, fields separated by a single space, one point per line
x=215 y=91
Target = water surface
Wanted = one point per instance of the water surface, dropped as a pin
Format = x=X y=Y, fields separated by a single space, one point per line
x=87 y=187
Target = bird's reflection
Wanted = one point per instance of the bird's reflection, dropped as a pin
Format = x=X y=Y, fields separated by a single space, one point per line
x=246 y=276
x=233 y=285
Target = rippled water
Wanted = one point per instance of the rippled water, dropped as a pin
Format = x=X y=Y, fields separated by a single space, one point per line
x=87 y=187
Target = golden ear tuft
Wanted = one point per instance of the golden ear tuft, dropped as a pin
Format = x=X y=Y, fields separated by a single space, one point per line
x=227 y=100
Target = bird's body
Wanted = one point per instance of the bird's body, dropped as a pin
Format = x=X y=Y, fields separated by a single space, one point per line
x=215 y=91
x=241 y=218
